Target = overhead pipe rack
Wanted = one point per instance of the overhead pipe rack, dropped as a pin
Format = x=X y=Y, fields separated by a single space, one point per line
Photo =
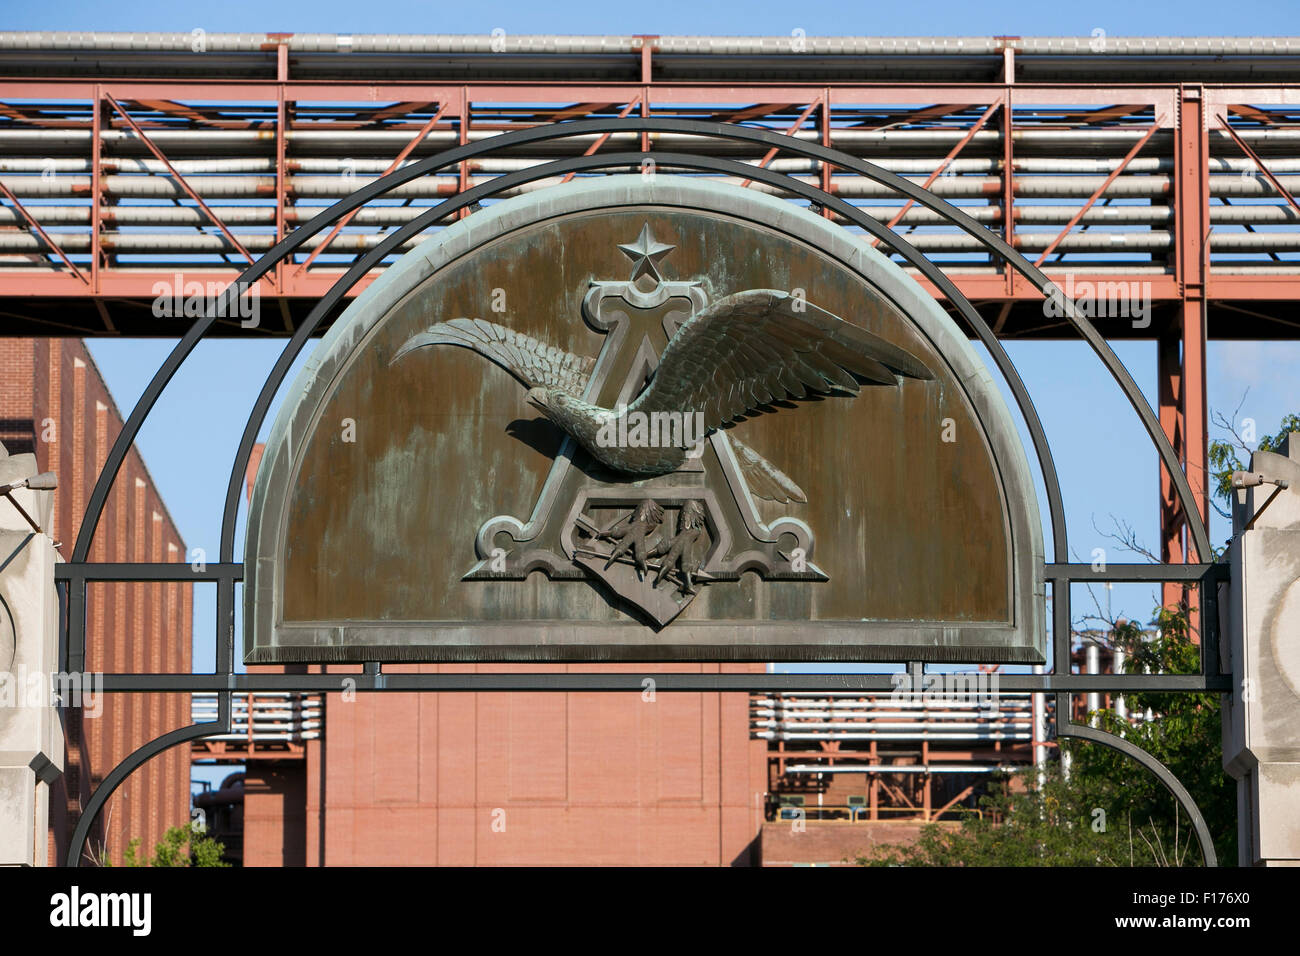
x=1173 y=162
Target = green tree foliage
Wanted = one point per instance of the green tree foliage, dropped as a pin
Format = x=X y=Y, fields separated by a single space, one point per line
x=1028 y=820
x=1185 y=736
x=1225 y=455
x=180 y=846
x=1110 y=811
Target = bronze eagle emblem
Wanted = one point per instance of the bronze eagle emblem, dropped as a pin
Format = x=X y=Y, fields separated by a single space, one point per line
x=733 y=358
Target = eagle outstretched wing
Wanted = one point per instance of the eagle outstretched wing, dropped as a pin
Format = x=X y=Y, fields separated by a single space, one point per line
x=761 y=346
x=740 y=353
x=531 y=361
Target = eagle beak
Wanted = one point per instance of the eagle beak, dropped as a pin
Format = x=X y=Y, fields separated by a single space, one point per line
x=537 y=398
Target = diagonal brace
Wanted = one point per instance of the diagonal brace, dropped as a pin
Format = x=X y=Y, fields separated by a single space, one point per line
x=180 y=180
x=938 y=170
x=36 y=227
x=1114 y=174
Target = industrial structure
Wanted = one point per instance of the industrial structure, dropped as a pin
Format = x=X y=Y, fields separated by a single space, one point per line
x=1153 y=179
x=1166 y=162
x=54 y=404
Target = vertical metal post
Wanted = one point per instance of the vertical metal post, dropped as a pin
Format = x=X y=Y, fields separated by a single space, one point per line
x=1061 y=626
x=1008 y=188
x=462 y=181
x=1192 y=190
x=826 y=141
x=76 y=656
x=225 y=647
x=645 y=100
x=1169 y=373
x=1193 y=193
x=96 y=185
x=647 y=64
x=281 y=138
x=1211 y=634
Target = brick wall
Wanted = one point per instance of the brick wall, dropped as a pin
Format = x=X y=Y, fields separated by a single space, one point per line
x=53 y=402
x=275 y=813
x=833 y=843
x=535 y=778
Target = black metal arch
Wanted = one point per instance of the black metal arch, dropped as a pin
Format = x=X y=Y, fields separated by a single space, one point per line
x=1060 y=573
x=616 y=160
x=379 y=187
x=1069 y=728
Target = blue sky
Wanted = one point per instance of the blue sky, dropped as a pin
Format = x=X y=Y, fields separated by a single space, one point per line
x=1106 y=463
x=765 y=17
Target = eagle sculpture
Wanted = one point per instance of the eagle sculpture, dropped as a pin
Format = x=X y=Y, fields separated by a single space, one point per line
x=735 y=357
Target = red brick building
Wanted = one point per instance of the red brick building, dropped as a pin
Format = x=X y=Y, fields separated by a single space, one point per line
x=53 y=402
x=514 y=778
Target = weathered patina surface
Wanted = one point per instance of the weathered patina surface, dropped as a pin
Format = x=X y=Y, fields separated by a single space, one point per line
x=363 y=532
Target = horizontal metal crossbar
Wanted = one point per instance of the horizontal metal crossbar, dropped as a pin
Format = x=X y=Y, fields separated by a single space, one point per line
x=154 y=571
x=1133 y=572
x=635 y=683
x=176 y=571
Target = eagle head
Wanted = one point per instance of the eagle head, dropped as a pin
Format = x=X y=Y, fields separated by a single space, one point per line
x=578 y=418
x=540 y=399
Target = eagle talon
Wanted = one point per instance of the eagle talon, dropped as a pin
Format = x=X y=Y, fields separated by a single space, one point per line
x=633 y=534
x=681 y=553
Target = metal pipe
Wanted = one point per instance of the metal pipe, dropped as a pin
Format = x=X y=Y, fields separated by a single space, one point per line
x=887 y=707
x=885 y=725
x=862 y=698
x=960 y=700
x=902 y=768
x=431 y=187
x=1059 y=270
x=918 y=167
x=1040 y=730
x=843 y=735
x=190 y=216
x=553 y=44
x=868 y=720
x=1093 y=664
x=139 y=242
x=1121 y=708
x=389 y=142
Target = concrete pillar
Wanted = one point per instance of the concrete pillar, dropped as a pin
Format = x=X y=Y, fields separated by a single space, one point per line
x=1261 y=736
x=31 y=736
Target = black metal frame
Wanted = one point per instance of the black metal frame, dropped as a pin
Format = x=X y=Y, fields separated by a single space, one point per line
x=75 y=574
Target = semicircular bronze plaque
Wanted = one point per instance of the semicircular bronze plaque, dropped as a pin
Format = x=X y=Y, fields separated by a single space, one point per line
x=638 y=419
